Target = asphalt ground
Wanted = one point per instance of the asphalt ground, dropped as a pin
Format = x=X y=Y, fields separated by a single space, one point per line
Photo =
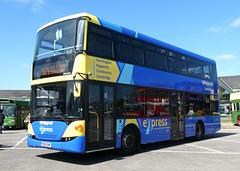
x=218 y=151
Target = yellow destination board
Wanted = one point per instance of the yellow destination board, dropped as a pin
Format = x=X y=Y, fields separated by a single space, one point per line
x=102 y=69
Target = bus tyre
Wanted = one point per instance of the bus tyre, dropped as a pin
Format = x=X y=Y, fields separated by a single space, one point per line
x=129 y=141
x=199 y=131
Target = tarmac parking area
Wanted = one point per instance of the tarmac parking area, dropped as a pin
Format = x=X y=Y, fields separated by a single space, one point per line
x=218 y=151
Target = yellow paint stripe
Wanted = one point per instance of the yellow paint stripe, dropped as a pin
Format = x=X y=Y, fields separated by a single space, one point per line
x=162 y=128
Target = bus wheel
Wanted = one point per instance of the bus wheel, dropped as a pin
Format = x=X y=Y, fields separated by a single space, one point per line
x=199 y=131
x=129 y=141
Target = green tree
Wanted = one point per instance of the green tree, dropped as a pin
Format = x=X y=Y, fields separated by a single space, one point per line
x=221 y=91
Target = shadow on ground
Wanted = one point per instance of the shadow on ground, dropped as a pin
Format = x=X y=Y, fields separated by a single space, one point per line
x=103 y=156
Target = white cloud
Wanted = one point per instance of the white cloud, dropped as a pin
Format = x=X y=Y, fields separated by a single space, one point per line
x=23 y=1
x=36 y=5
x=213 y=29
x=223 y=29
x=25 y=65
x=225 y=57
x=236 y=23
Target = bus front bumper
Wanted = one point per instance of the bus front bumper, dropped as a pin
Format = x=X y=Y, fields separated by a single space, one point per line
x=76 y=145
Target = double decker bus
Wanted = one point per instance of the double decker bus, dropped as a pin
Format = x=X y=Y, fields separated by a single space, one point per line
x=15 y=112
x=108 y=87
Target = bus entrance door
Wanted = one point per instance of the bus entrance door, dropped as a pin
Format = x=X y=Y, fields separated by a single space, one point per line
x=177 y=116
x=100 y=129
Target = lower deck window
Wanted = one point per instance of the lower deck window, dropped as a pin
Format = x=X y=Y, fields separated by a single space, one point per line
x=141 y=102
x=199 y=104
x=129 y=103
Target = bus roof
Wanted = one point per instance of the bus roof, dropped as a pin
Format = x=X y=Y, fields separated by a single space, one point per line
x=132 y=33
x=14 y=100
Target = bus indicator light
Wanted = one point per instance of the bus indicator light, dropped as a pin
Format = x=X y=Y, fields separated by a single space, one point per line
x=78 y=127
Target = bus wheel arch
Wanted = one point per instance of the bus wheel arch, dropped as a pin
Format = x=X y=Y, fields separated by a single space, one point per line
x=199 y=131
x=130 y=140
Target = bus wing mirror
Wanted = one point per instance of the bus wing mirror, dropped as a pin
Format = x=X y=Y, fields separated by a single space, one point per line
x=77 y=89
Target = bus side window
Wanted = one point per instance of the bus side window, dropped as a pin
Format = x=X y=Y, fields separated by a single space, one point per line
x=213 y=72
x=155 y=60
x=130 y=101
x=206 y=71
x=129 y=54
x=195 y=105
x=214 y=104
x=157 y=102
x=100 y=46
x=195 y=70
x=177 y=66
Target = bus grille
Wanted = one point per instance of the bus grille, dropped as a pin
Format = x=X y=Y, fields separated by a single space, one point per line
x=47 y=136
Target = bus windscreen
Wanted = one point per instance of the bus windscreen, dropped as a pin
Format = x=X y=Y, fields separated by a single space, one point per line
x=55 y=52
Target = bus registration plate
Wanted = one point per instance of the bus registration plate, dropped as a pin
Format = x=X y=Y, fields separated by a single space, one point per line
x=44 y=144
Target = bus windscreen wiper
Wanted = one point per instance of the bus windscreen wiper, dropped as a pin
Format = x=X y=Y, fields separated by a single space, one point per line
x=60 y=116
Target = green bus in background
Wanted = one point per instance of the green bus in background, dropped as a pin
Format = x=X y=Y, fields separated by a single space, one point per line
x=15 y=112
x=235 y=100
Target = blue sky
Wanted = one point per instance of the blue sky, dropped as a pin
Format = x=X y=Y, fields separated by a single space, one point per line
x=207 y=27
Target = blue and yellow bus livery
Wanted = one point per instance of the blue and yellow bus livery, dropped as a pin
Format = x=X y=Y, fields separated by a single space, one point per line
x=105 y=87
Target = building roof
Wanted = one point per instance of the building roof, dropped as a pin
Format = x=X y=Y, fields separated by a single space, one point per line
x=15 y=94
x=230 y=82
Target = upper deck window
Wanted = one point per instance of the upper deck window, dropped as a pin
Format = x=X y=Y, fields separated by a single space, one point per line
x=99 y=46
x=206 y=71
x=177 y=66
x=57 y=39
x=213 y=72
x=129 y=50
x=101 y=32
x=155 y=60
x=195 y=68
x=150 y=47
x=123 y=39
x=100 y=42
x=172 y=54
x=111 y=44
x=129 y=54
